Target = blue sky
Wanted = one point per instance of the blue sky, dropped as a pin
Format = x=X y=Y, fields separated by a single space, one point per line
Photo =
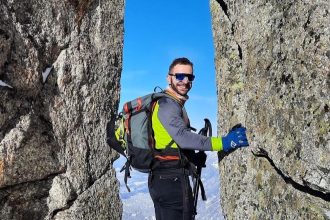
x=156 y=32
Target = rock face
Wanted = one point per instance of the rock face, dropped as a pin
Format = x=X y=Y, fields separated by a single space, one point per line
x=60 y=65
x=273 y=75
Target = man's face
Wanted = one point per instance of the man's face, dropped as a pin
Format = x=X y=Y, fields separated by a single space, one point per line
x=182 y=87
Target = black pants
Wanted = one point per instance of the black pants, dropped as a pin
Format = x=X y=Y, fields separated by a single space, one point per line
x=172 y=196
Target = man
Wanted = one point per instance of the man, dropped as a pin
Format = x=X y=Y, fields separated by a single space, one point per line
x=169 y=180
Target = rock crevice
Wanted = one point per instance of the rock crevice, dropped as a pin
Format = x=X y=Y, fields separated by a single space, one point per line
x=303 y=188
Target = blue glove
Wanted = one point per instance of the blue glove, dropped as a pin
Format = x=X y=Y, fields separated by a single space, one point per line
x=236 y=138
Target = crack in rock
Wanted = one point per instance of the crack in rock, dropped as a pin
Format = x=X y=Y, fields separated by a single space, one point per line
x=49 y=176
x=303 y=188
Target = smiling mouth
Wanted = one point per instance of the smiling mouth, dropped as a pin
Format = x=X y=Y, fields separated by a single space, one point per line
x=183 y=87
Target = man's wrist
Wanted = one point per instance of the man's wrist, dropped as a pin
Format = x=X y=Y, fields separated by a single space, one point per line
x=216 y=144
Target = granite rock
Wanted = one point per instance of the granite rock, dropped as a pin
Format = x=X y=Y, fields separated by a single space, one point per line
x=272 y=70
x=54 y=160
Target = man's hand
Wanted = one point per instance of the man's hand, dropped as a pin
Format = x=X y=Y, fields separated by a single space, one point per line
x=236 y=138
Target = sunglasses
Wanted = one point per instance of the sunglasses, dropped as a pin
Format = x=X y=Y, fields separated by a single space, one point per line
x=182 y=76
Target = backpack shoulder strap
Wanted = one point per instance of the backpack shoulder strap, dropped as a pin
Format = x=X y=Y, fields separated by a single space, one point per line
x=172 y=96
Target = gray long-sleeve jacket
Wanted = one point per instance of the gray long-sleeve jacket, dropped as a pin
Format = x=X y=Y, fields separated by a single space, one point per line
x=170 y=122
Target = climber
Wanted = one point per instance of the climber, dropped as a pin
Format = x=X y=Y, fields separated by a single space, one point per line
x=168 y=181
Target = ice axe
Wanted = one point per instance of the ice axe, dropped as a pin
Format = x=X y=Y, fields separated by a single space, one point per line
x=206 y=131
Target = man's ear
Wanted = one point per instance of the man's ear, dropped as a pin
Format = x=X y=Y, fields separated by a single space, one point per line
x=168 y=78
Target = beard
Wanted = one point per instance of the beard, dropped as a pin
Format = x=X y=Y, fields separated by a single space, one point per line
x=181 y=88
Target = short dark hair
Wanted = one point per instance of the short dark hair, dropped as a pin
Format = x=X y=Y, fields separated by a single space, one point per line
x=181 y=60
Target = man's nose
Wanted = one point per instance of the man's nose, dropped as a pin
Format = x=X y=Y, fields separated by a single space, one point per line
x=185 y=79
